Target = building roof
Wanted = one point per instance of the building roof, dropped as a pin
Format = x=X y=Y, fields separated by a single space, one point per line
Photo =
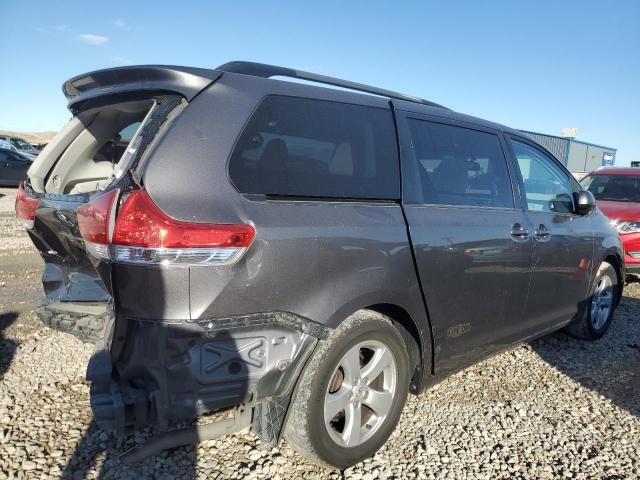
x=569 y=139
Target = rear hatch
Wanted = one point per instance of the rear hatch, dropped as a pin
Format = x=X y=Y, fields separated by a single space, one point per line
x=119 y=116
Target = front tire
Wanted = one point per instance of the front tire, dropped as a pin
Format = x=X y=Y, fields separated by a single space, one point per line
x=351 y=394
x=600 y=306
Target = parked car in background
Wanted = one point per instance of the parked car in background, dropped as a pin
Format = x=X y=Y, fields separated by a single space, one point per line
x=617 y=191
x=21 y=146
x=306 y=256
x=13 y=167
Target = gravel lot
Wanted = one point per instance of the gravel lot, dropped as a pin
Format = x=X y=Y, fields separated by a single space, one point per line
x=555 y=408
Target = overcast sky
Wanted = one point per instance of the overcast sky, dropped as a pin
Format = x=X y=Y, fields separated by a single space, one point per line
x=534 y=65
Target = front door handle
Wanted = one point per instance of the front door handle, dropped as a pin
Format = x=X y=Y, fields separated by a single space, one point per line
x=519 y=232
x=542 y=233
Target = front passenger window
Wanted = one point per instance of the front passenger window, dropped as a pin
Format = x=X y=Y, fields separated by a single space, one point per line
x=547 y=187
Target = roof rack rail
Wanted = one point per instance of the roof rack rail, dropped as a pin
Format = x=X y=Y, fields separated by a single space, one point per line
x=267 y=71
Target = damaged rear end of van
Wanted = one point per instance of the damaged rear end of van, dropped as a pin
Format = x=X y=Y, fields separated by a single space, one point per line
x=119 y=269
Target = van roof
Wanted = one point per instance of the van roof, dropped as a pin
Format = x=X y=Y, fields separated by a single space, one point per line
x=188 y=81
x=269 y=71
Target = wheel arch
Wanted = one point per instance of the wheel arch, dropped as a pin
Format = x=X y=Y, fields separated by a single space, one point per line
x=618 y=265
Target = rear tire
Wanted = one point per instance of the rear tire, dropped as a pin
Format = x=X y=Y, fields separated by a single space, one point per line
x=600 y=305
x=351 y=394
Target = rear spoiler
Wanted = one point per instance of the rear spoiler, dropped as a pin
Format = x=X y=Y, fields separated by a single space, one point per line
x=185 y=81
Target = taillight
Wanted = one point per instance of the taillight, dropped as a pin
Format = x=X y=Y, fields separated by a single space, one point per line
x=141 y=233
x=141 y=223
x=25 y=207
x=95 y=221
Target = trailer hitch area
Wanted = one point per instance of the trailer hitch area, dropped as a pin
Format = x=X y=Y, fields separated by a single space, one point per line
x=188 y=436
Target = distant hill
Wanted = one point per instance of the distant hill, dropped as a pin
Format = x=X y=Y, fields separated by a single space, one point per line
x=33 y=137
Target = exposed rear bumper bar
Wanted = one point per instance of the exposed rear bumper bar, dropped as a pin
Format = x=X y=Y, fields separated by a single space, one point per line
x=169 y=373
x=188 y=435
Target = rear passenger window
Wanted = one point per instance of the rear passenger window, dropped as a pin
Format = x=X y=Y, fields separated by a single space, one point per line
x=315 y=148
x=459 y=166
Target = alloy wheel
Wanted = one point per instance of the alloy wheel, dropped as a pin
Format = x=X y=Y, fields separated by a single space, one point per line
x=602 y=302
x=360 y=394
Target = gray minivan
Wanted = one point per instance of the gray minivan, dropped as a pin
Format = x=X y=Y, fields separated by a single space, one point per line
x=301 y=256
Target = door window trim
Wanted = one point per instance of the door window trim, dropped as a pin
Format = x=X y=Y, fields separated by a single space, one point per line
x=408 y=165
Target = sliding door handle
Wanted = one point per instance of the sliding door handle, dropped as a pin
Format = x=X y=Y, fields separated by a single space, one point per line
x=519 y=232
x=542 y=233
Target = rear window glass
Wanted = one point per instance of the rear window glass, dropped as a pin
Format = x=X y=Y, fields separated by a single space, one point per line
x=126 y=134
x=114 y=148
x=315 y=148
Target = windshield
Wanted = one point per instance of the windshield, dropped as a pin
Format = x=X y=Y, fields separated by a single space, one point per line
x=618 y=188
x=21 y=144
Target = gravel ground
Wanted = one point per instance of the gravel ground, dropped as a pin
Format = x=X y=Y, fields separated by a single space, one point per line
x=555 y=408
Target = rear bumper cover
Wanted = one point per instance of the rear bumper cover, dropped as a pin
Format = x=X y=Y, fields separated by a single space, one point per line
x=168 y=373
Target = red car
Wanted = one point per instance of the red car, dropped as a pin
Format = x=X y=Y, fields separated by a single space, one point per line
x=617 y=191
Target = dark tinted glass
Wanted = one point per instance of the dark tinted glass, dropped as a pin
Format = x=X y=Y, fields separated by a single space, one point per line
x=459 y=166
x=313 y=148
x=618 y=188
x=548 y=188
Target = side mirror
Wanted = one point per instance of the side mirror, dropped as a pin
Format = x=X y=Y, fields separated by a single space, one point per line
x=586 y=202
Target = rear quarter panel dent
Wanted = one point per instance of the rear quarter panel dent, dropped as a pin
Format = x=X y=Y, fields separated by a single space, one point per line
x=320 y=260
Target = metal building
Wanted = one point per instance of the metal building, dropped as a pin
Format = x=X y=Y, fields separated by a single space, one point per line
x=577 y=155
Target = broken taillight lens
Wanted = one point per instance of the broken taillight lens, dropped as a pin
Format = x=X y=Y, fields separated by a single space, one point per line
x=141 y=233
x=25 y=207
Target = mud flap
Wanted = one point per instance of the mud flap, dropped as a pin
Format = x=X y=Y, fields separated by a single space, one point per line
x=268 y=419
